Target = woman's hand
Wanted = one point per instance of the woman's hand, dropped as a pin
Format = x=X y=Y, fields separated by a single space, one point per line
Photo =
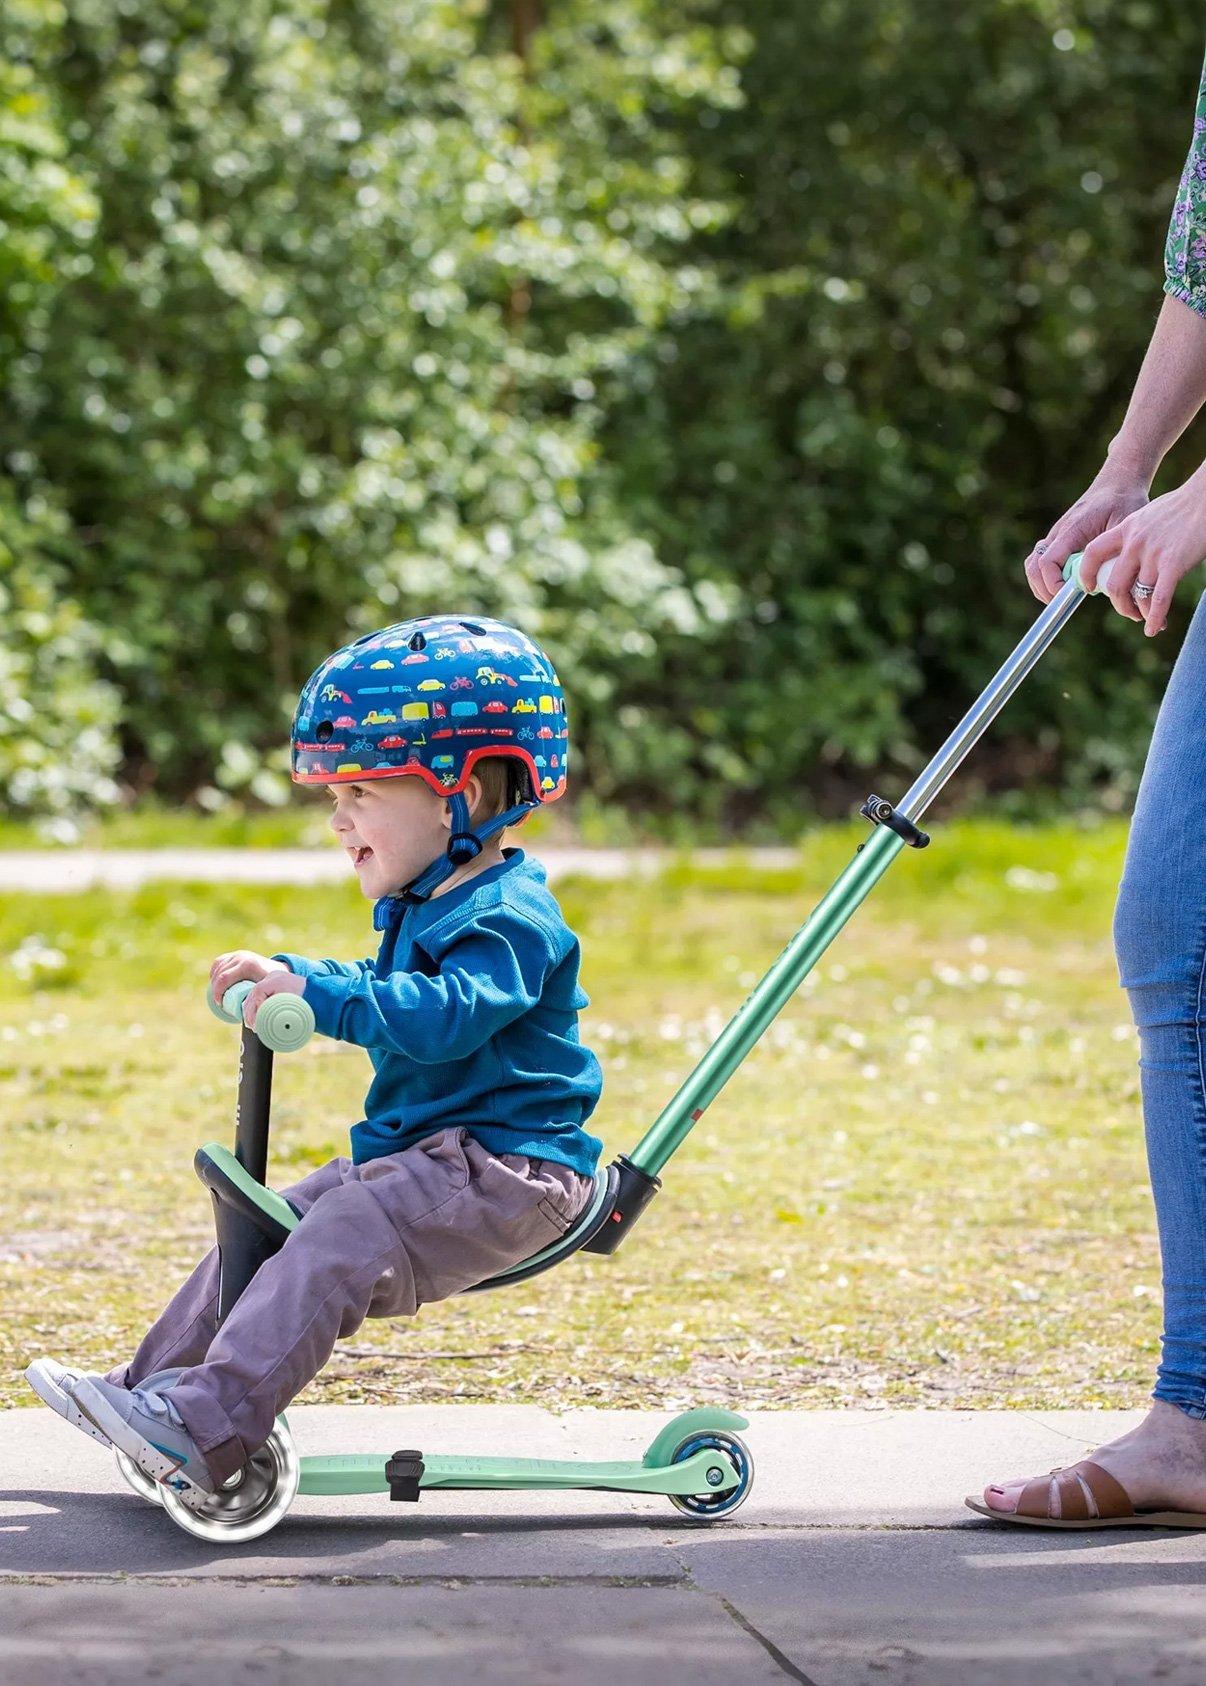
x=278 y=982
x=1113 y=495
x=232 y=968
x=1157 y=546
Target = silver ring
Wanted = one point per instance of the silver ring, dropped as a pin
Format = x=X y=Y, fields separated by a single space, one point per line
x=1142 y=592
x=1041 y=547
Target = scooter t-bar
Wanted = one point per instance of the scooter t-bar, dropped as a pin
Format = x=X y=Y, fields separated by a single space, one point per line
x=895 y=826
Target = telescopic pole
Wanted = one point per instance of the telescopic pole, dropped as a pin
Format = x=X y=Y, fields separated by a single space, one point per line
x=894 y=828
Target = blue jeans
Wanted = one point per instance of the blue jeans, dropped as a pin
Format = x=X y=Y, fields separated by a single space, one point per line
x=1160 y=943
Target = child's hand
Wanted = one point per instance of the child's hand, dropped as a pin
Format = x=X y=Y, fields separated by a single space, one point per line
x=232 y=968
x=278 y=982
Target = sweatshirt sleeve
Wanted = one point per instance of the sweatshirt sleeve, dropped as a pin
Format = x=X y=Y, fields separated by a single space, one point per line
x=489 y=974
x=1185 y=247
x=303 y=968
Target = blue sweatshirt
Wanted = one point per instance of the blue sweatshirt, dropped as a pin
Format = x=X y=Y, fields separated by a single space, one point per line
x=470 y=1016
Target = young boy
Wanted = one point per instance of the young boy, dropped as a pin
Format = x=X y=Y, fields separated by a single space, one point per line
x=431 y=736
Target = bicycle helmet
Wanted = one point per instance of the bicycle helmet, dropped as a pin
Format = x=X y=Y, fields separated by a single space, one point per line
x=428 y=698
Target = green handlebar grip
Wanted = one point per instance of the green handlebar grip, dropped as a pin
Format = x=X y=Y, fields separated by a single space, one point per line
x=1072 y=571
x=230 y=1008
x=284 y=1023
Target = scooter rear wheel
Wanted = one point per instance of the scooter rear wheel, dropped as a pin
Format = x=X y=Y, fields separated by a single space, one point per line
x=709 y=1507
x=252 y=1501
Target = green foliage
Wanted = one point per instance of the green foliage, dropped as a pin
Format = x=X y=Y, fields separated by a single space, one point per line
x=365 y=287
x=943 y=266
x=57 y=720
x=58 y=724
x=717 y=345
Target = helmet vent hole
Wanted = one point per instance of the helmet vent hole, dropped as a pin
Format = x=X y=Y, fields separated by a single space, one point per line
x=417 y=642
x=324 y=731
x=472 y=626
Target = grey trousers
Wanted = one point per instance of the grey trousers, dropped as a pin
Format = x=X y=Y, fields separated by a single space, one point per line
x=375 y=1240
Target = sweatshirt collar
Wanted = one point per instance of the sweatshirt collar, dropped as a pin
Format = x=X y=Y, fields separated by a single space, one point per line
x=390 y=910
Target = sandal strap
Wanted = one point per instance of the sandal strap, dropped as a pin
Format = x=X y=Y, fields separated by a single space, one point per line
x=1035 y=1497
x=1109 y=1496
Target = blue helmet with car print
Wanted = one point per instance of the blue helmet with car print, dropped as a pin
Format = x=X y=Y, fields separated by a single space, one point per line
x=428 y=698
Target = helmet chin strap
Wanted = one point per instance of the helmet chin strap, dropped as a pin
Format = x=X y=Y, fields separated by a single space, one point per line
x=464 y=845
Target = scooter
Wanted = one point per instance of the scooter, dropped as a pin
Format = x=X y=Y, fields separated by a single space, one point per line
x=697 y=1459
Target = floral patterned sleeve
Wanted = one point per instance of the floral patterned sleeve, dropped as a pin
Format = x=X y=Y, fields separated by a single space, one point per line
x=1185 y=248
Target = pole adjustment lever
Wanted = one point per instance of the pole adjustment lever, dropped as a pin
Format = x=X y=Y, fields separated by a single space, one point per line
x=881 y=812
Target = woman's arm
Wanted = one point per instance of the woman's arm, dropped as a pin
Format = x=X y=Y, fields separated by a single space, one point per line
x=1168 y=393
x=1172 y=382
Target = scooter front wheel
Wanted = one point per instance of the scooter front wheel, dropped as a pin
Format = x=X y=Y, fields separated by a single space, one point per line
x=251 y=1502
x=723 y=1501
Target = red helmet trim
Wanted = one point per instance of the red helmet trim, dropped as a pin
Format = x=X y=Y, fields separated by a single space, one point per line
x=430 y=779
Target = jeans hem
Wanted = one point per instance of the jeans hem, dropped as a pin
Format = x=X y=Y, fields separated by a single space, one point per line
x=1192 y=1407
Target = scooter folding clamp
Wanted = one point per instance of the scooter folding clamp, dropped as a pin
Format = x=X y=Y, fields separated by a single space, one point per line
x=875 y=808
x=404 y=1471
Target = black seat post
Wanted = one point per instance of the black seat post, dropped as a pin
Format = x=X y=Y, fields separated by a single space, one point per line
x=252 y=1107
x=242 y=1243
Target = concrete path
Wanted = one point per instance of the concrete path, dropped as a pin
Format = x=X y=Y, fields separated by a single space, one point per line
x=853 y=1561
x=47 y=870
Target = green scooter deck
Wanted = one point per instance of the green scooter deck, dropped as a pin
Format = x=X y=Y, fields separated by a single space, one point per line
x=365 y=1473
x=655 y=1473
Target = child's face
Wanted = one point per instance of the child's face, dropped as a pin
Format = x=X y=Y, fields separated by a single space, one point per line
x=391 y=829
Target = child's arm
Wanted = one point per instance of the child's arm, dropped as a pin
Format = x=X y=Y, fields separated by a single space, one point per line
x=490 y=974
x=323 y=968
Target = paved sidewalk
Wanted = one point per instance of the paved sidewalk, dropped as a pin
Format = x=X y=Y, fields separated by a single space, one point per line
x=49 y=870
x=853 y=1561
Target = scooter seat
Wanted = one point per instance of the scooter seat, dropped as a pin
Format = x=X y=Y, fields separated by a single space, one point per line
x=231 y=1184
x=585 y=1227
x=252 y=1222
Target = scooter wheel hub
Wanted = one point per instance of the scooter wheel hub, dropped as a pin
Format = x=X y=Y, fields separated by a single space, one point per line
x=732 y=1485
x=251 y=1502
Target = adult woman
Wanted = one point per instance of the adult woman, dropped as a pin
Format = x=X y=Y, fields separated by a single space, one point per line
x=1160 y=919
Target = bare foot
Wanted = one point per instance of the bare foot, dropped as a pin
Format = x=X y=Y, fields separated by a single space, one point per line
x=1161 y=1462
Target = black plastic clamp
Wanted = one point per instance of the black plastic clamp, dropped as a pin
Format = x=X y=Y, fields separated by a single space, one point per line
x=634 y=1190
x=404 y=1471
x=875 y=808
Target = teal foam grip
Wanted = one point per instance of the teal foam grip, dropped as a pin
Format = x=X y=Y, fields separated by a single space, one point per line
x=1072 y=571
x=284 y=1022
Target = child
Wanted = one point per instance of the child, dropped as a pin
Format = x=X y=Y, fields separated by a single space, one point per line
x=431 y=736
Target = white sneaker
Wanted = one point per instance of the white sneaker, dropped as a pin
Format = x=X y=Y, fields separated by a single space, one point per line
x=148 y=1428
x=54 y=1385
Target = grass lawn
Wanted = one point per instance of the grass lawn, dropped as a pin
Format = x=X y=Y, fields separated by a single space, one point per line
x=926 y=1186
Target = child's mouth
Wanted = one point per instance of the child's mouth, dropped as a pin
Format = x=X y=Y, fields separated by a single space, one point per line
x=361 y=856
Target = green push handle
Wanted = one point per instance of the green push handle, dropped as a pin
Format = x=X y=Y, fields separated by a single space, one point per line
x=1072 y=571
x=284 y=1023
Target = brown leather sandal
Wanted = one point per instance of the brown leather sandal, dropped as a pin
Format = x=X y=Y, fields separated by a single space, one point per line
x=1075 y=1487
